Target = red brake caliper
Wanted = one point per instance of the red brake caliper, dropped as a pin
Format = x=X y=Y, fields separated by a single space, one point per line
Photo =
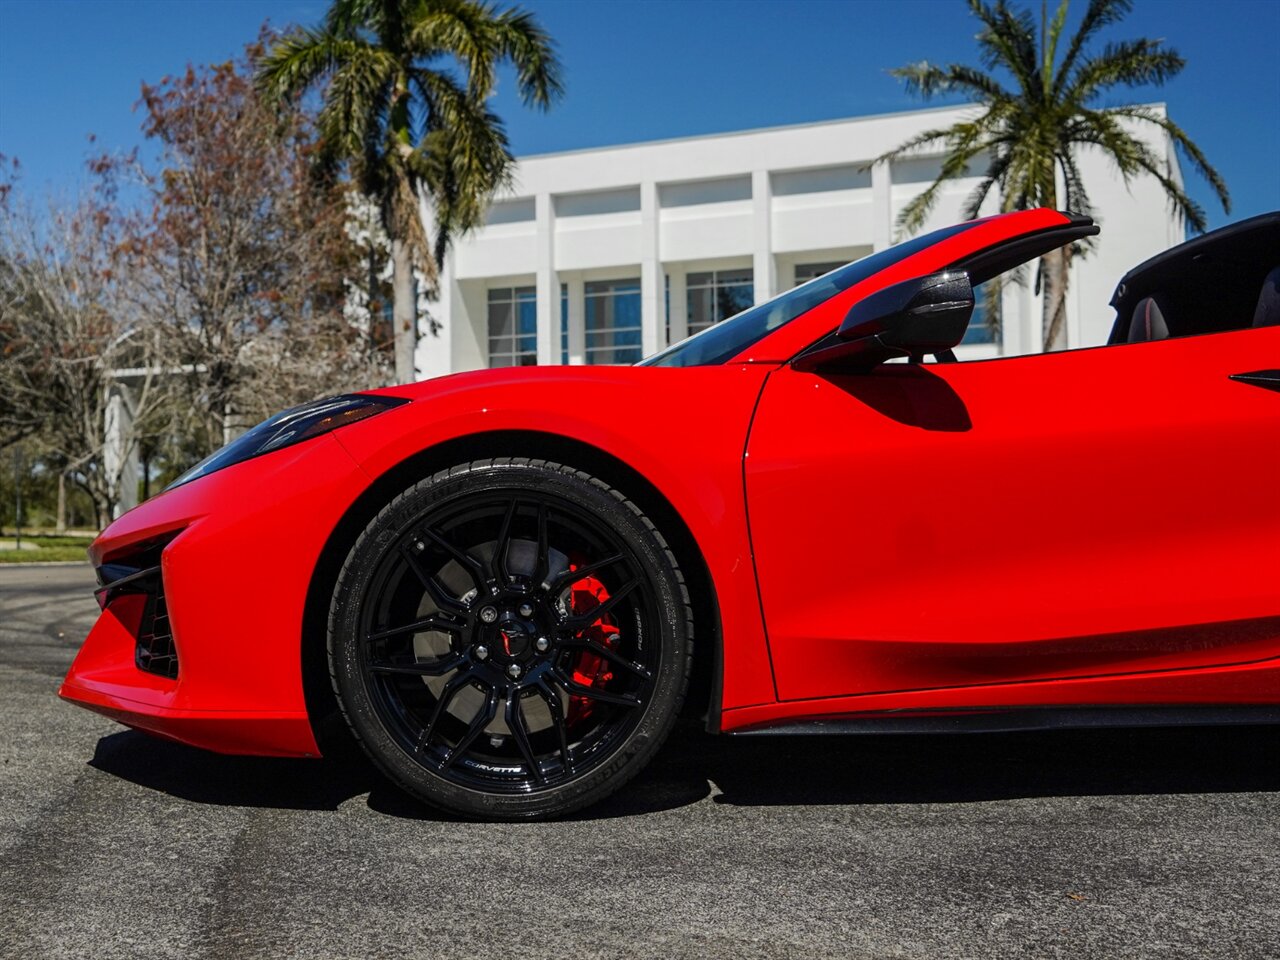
x=590 y=669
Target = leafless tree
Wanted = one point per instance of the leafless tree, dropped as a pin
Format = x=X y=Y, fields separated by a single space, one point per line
x=63 y=333
x=241 y=257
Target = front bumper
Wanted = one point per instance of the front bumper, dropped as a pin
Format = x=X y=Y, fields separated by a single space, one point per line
x=236 y=550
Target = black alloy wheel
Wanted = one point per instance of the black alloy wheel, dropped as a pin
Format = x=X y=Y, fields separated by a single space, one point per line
x=510 y=639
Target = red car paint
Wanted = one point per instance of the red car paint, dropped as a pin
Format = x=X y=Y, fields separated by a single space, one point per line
x=1086 y=528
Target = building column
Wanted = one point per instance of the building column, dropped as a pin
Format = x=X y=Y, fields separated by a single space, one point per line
x=881 y=206
x=120 y=450
x=679 y=315
x=1075 y=336
x=1032 y=319
x=434 y=353
x=652 y=309
x=548 y=284
x=764 y=273
x=577 y=318
x=1011 y=309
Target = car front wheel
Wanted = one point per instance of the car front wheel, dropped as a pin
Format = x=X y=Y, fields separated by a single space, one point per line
x=510 y=639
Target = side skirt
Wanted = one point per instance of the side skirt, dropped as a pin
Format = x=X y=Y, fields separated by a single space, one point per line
x=1030 y=718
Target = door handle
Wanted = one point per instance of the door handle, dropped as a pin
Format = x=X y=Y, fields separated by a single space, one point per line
x=1266 y=379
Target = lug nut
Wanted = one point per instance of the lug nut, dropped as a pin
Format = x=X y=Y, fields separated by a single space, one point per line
x=542 y=643
x=526 y=610
x=482 y=652
x=419 y=546
x=514 y=670
x=488 y=614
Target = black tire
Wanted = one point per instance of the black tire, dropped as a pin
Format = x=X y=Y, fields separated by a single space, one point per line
x=582 y=603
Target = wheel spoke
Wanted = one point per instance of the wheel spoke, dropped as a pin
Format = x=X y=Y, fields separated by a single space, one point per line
x=595 y=693
x=447 y=692
x=573 y=576
x=543 y=565
x=515 y=723
x=422 y=668
x=439 y=596
x=599 y=610
x=484 y=716
x=498 y=565
x=466 y=560
x=554 y=707
x=608 y=653
x=426 y=623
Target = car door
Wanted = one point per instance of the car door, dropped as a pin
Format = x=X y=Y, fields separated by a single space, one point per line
x=1103 y=511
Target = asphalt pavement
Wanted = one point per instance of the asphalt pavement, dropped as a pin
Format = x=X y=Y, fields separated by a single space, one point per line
x=1099 y=843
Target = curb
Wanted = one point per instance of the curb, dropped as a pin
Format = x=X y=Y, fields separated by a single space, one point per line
x=46 y=563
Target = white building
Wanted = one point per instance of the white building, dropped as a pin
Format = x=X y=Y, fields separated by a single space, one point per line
x=606 y=255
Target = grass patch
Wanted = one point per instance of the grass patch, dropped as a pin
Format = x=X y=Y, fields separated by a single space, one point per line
x=49 y=549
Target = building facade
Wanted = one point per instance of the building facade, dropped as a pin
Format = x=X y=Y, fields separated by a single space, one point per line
x=607 y=255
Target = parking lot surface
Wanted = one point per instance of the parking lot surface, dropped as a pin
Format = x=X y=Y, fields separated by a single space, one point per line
x=1091 y=843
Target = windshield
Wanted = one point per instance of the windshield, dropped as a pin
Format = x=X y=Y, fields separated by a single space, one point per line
x=724 y=341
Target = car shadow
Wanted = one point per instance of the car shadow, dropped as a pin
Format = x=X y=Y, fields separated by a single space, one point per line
x=910 y=394
x=770 y=770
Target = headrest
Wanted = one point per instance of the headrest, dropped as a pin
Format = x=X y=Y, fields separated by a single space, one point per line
x=1147 y=322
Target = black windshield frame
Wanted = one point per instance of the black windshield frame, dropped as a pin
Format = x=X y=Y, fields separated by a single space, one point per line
x=721 y=343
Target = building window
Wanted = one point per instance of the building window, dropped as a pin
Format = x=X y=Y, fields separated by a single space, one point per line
x=513 y=327
x=717 y=295
x=612 y=319
x=564 y=324
x=984 y=323
x=808 y=271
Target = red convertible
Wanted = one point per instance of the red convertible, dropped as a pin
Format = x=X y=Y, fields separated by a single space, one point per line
x=507 y=584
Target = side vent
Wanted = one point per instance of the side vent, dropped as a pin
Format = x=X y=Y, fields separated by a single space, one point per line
x=154 y=652
x=138 y=575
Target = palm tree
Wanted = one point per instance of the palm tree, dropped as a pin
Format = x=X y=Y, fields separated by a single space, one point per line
x=1027 y=135
x=395 y=111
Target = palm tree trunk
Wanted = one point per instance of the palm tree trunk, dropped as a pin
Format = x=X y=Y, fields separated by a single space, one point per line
x=1055 y=270
x=403 y=313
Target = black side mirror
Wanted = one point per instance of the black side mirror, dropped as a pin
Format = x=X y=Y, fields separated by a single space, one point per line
x=925 y=315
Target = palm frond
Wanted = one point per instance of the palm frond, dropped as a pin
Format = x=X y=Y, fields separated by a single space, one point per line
x=965 y=141
x=530 y=49
x=1131 y=63
x=995 y=174
x=921 y=142
x=465 y=156
x=1049 y=48
x=352 y=17
x=463 y=29
x=1131 y=156
x=1008 y=41
x=1099 y=15
x=1185 y=146
x=300 y=59
x=358 y=99
x=1075 y=195
x=927 y=80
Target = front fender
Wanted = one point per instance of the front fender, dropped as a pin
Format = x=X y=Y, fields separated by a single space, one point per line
x=684 y=430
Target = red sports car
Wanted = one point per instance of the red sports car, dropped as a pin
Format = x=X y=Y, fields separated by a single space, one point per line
x=509 y=582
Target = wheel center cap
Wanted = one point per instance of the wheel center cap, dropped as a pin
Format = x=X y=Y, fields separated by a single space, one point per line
x=515 y=638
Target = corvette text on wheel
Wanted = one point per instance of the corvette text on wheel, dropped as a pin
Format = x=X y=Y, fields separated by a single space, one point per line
x=507 y=584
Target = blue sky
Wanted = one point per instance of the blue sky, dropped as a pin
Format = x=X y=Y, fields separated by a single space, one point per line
x=639 y=69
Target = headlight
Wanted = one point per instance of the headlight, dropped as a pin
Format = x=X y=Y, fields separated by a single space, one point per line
x=293 y=426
